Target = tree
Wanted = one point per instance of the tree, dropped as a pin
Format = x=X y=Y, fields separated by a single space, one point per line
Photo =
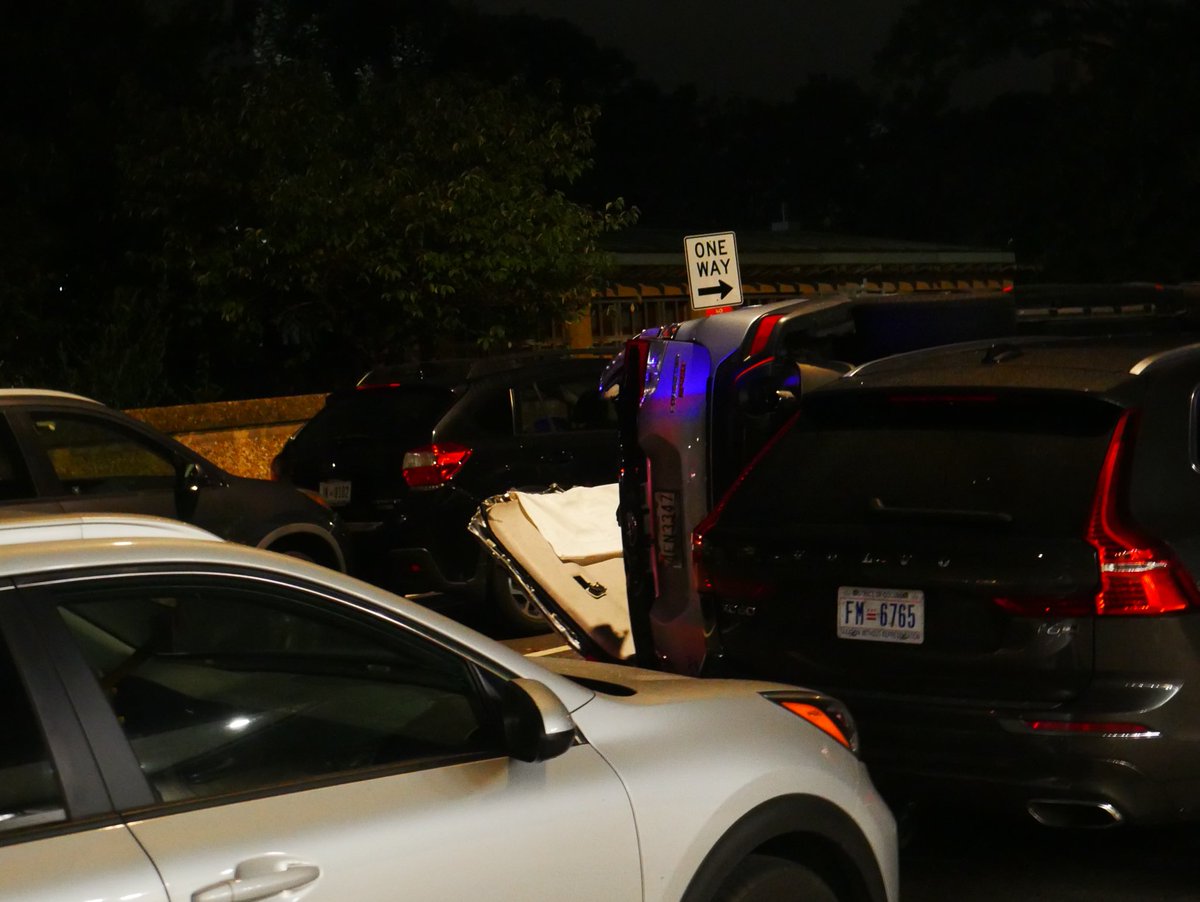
x=1097 y=178
x=304 y=222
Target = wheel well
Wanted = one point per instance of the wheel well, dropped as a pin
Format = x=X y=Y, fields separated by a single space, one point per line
x=824 y=857
x=309 y=545
x=805 y=829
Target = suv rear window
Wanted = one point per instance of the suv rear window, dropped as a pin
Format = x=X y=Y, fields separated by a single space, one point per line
x=1024 y=463
x=405 y=413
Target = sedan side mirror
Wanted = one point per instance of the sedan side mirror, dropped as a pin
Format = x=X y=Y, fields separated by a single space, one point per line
x=537 y=725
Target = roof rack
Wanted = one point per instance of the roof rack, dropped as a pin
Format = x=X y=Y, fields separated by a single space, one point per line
x=502 y=363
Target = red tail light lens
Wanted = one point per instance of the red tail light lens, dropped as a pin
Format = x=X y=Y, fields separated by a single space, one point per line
x=1092 y=727
x=1137 y=575
x=762 y=333
x=432 y=466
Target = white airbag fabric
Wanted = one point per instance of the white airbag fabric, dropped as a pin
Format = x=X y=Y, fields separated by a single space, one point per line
x=580 y=524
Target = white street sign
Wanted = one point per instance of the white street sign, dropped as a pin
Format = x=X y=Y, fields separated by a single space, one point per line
x=714 y=279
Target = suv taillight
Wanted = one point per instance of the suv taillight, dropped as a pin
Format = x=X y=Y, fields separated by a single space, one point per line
x=1137 y=575
x=432 y=466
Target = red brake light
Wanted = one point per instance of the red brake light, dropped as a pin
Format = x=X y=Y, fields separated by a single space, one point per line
x=432 y=466
x=1093 y=727
x=1137 y=575
x=762 y=333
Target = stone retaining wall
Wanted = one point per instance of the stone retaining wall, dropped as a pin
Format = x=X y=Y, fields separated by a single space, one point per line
x=239 y=436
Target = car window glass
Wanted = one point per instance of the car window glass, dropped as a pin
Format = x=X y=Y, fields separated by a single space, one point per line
x=14 y=477
x=404 y=414
x=29 y=790
x=589 y=408
x=564 y=403
x=905 y=463
x=91 y=456
x=224 y=690
x=484 y=410
x=541 y=408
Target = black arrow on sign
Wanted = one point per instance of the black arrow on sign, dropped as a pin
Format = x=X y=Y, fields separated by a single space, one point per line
x=722 y=288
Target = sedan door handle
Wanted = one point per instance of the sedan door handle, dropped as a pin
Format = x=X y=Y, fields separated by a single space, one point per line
x=259 y=878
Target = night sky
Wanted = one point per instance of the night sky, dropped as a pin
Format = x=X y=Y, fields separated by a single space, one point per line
x=758 y=48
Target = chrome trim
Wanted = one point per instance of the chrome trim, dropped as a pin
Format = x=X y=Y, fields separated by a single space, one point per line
x=162 y=569
x=1039 y=809
x=1194 y=430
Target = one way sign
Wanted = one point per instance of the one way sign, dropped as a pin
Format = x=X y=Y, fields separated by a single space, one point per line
x=713 y=276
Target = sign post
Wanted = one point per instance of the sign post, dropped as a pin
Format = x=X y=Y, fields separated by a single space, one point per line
x=714 y=279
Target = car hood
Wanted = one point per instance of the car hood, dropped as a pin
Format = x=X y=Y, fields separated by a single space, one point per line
x=638 y=685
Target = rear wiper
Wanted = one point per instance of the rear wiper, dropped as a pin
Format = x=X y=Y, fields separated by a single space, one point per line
x=946 y=515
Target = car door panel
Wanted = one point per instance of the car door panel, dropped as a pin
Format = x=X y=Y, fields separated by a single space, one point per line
x=100 y=864
x=289 y=723
x=97 y=464
x=498 y=829
x=58 y=837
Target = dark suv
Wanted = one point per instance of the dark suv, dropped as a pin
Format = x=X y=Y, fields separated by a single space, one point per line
x=64 y=453
x=406 y=461
x=990 y=551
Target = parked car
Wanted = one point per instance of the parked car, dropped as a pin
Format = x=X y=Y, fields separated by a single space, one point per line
x=699 y=399
x=991 y=552
x=350 y=451
x=406 y=462
x=189 y=718
x=68 y=454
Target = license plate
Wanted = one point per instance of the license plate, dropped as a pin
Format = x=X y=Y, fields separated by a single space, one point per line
x=881 y=615
x=335 y=491
x=666 y=528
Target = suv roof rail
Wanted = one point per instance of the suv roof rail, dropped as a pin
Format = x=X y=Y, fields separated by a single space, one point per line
x=1152 y=302
x=502 y=363
x=442 y=369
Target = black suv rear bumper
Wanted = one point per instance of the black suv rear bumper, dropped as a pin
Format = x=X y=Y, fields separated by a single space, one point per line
x=990 y=758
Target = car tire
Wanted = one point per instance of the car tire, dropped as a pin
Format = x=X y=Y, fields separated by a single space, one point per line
x=764 y=878
x=513 y=606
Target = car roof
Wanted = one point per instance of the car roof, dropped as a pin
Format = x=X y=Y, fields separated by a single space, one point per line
x=18 y=527
x=133 y=546
x=1101 y=364
x=38 y=394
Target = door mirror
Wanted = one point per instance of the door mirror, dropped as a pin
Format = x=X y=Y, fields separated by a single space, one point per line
x=537 y=725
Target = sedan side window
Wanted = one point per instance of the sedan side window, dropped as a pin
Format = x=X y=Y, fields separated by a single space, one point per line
x=91 y=456
x=29 y=791
x=222 y=689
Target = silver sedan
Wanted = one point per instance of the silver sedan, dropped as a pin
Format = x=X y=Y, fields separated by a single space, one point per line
x=190 y=719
